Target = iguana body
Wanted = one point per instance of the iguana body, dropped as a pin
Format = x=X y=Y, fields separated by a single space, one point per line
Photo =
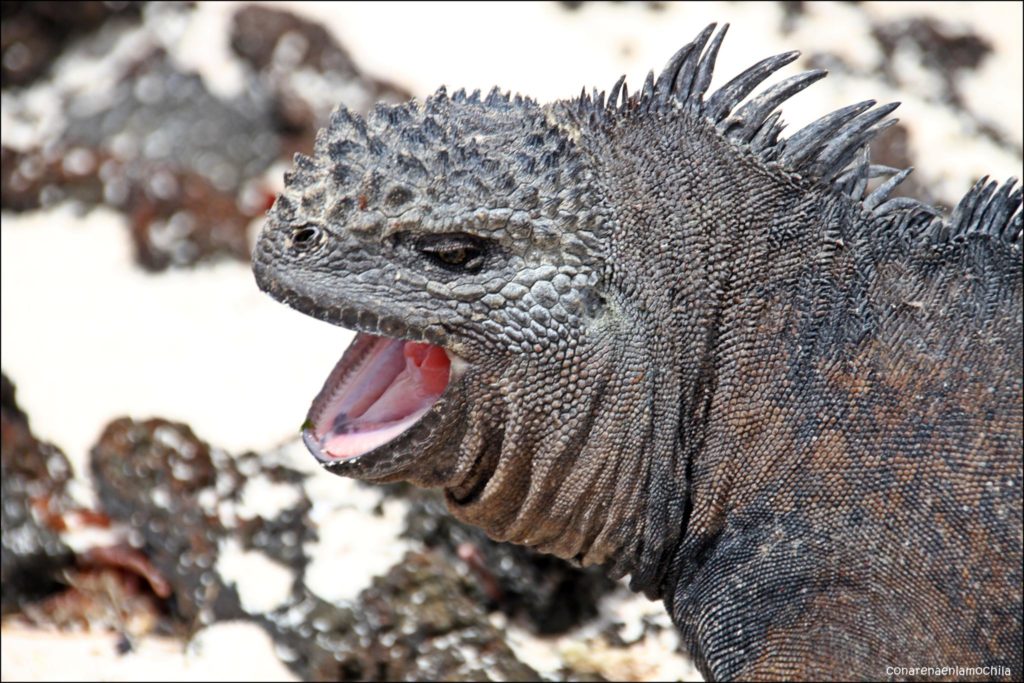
x=656 y=337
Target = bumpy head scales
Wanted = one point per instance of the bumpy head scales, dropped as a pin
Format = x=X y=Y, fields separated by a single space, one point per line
x=497 y=155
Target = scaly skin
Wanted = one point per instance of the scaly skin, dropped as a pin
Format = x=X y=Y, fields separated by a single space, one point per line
x=694 y=353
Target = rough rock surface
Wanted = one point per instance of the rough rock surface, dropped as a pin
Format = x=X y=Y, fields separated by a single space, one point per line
x=34 y=479
x=185 y=506
x=186 y=164
x=35 y=33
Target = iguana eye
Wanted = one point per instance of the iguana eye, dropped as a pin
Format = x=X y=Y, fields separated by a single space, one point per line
x=457 y=252
x=454 y=257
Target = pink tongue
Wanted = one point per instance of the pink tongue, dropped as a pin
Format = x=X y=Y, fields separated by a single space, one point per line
x=417 y=386
x=383 y=399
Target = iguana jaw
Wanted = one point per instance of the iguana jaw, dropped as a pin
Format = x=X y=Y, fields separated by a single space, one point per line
x=376 y=457
x=379 y=390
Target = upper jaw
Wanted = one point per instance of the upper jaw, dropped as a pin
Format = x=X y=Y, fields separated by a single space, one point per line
x=359 y=318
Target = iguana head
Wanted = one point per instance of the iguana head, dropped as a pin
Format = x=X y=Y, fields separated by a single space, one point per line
x=463 y=240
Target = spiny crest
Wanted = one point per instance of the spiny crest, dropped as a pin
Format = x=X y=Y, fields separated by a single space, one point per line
x=832 y=149
x=449 y=153
x=988 y=209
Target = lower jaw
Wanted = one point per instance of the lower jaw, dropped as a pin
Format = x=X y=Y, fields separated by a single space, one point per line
x=380 y=389
x=349 y=446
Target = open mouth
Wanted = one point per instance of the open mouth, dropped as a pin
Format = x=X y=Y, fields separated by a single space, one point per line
x=379 y=389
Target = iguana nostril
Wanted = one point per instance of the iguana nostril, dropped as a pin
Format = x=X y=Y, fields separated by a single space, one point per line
x=305 y=237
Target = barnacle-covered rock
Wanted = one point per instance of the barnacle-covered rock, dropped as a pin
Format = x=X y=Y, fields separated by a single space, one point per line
x=165 y=484
x=35 y=33
x=305 y=71
x=233 y=538
x=34 y=479
x=550 y=593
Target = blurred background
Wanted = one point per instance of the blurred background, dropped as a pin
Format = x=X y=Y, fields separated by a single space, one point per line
x=160 y=519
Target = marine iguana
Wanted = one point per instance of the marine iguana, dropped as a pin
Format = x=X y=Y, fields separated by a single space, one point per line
x=646 y=331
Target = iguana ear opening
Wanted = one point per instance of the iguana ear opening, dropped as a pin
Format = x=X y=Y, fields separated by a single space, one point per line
x=379 y=389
